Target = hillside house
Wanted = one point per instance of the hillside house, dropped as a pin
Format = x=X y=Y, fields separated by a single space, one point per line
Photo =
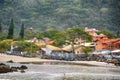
x=102 y=41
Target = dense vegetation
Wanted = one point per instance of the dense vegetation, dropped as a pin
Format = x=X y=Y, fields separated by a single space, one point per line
x=60 y=14
x=60 y=38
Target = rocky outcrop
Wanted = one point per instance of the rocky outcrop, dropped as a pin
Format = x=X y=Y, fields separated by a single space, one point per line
x=23 y=67
x=6 y=68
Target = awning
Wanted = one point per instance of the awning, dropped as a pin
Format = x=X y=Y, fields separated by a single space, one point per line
x=115 y=51
x=102 y=52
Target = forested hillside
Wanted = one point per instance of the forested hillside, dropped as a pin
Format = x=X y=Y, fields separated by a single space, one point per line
x=61 y=14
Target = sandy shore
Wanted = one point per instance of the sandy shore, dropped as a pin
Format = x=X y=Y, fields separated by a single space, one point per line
x=4 y=58
x=102 y=70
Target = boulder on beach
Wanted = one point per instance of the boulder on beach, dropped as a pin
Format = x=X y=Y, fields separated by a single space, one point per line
x=14 y=69
x=10 y=61
x=22 y=71
x=4 y=68
x=23 y=67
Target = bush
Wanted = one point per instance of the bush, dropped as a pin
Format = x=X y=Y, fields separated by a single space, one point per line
x=5 y=45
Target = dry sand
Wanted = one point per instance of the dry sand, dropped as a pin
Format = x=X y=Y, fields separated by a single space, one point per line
x=4 y=58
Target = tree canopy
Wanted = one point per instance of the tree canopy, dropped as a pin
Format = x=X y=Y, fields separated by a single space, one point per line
x=107 y=33
x=73 y=33
x=0 y=27
x=57 y=35
x=22 y=31
x=61 y=14
x=11 y=30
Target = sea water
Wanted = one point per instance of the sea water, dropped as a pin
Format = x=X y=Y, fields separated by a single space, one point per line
x=63 y=72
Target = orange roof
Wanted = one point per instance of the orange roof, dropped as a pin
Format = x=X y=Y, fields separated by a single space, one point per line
x=99 y=39
x=118 y=42
x=112 y=41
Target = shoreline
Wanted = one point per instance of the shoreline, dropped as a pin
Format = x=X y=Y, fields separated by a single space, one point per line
x=19 y=59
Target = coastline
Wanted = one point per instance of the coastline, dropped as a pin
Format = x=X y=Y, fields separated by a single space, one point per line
x=57 y=70
x=5 y=58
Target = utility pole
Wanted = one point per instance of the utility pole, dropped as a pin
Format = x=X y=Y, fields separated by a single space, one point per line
x=110 y=45
x=31 y=29
x=73 y=50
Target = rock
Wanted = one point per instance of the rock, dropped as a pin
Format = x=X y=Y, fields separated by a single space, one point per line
x=5 y=68
x=10 y=61
x=14 y=69
x=23 y=67
x=2 y=64
x=22 y=71
x=18 y=67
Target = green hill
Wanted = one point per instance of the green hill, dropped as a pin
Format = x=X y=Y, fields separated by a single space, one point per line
x=61 y=14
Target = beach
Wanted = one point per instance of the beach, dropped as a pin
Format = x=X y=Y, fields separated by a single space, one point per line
x=59 y=69
x=5 y=58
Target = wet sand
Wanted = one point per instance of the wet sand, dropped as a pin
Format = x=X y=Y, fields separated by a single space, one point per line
x=43 y=69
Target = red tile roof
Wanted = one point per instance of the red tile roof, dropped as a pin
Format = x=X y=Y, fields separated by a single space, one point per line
x=112 y=41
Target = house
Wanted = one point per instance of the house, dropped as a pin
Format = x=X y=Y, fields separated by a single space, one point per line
x=50 y=48
x=92 y=31
x=102 y=41
x=112 y=44
x=69 y=48
x=77 y=48
x=99 y=41
x=42 y=42
x=53 y=48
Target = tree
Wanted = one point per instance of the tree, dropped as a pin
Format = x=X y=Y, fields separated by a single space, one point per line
x=73 y=33
x=115 y=12
x=67 y=13
x=5 y=45
x=2 y=1
x=0 y=28
x=86 y=50
x=107 y=33
x=22 y=31
x=56 y=35
x=118 y=34
x=3 y=33
x=11 y=30
x=27 y=46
